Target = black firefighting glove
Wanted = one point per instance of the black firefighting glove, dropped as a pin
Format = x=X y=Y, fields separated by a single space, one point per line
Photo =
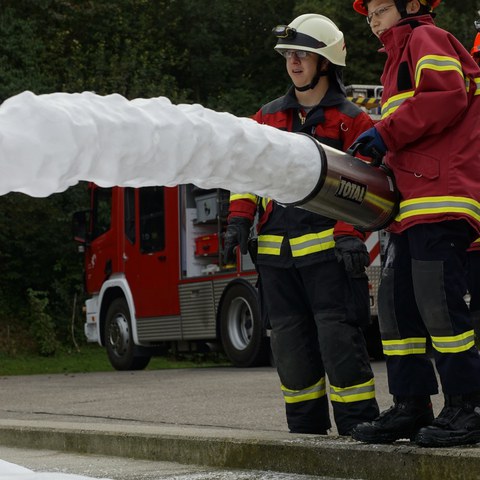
x=236 y=234
x=354 y=254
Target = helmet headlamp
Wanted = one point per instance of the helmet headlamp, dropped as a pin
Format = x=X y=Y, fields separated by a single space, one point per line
x=284 y=31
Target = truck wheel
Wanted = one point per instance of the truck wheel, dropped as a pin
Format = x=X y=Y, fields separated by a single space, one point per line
x=118 y=338
x=241 y=329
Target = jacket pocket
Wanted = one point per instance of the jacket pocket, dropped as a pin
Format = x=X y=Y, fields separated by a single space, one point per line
x=418 y=164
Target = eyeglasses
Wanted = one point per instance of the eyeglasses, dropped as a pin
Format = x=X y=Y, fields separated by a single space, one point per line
x=379 y=13
x=301 y=54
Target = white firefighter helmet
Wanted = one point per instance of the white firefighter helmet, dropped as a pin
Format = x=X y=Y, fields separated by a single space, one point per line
x=313 y=33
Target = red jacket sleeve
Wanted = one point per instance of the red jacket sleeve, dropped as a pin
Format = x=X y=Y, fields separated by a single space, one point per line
x=341 y=229
x=242 y=205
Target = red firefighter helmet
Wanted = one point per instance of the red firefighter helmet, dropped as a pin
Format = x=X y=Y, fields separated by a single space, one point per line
x=359 y=5
x=475 y=51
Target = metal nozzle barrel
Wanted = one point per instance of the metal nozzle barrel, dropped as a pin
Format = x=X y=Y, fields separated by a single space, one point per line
x=352 y=190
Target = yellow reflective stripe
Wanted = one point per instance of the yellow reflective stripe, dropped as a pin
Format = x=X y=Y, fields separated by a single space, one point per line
x=455 y=343
x=243 y=196
x=477 y=83
x=436 y=205
x=310 y=393
x=432 y=62
x=265 y=201
x=394 y=102
x=477 y=240
x=438 y=63
x=312 y=242
x=355 y=393
x=269 y=244
x=405 y=346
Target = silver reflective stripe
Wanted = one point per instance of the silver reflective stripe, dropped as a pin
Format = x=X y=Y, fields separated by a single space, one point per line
x=442 y=205
x=392 y=106
x=269 y=244
x=433 y=206
x=404 y=347
x=309 y=393
x=439 y=63
x=353 y=394
x=455 y=344
x=311 y=242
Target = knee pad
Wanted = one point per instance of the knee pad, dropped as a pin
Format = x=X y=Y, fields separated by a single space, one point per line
x=429 y=289
x=386 y=305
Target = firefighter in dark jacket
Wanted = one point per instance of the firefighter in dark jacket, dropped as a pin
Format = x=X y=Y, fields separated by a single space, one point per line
x=310 y=267
x=430 y=136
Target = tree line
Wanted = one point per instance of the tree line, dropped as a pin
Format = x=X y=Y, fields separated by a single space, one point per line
x=218 y=53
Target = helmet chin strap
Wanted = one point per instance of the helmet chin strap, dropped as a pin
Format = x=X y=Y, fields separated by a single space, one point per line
x=313 y=83
x=315 y=79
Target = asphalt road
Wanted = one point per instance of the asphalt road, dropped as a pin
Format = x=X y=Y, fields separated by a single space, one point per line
x=236 y=401
x=235 y=398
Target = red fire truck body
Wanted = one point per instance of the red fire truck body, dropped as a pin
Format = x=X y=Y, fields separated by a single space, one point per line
x=155 y=274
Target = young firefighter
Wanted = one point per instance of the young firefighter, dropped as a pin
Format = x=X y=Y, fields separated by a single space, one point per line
x=311 y=266
x=429 y=133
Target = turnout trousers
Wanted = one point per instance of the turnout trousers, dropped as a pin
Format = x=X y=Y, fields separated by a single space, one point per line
x=314 y=334
x=474 y=289
x=421 y=296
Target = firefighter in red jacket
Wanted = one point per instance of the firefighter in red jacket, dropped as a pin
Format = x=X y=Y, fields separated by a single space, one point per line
x=311 y=266
x=430 y=135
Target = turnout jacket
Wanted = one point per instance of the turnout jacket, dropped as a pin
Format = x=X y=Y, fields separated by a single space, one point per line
x=429 y=122
x=291 y=236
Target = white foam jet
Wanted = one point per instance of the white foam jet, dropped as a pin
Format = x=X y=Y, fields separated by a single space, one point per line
x=50 y=142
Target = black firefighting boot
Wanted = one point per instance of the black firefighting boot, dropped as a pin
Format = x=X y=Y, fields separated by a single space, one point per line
x=457 y=424
x=407 y=416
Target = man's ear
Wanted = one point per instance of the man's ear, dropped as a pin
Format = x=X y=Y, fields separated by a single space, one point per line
x=324 y=63
x=413 y=6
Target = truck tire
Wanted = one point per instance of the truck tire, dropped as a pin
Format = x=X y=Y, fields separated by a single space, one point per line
x=242 y=333
x=118 y=338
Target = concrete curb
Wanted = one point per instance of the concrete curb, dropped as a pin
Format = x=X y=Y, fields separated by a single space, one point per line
x=245 y=449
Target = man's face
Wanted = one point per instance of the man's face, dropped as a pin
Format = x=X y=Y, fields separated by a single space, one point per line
x=300 y=68
x=382 y=14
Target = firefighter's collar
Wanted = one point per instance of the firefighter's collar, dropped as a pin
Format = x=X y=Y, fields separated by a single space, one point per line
x=331 y=98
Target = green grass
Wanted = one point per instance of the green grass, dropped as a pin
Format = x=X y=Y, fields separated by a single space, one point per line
x=93 y=358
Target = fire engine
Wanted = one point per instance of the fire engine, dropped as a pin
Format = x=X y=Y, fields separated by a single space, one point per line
x=157 y=281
